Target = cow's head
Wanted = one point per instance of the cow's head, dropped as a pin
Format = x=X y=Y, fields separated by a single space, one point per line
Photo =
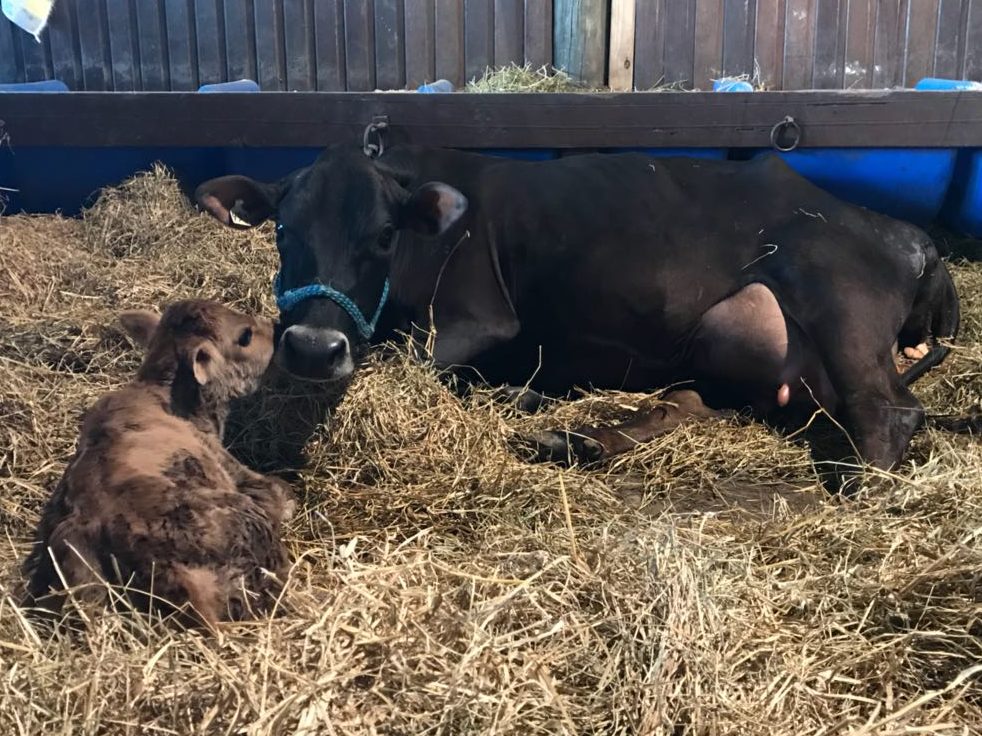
x=337 y=225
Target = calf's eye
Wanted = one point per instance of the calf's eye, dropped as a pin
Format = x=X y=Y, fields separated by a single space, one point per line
x=246 y=337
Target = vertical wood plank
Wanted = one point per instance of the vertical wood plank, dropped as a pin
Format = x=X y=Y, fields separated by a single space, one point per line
x=35 y=58
x=509 y=32
x=680 y=37
x=298 y=40
x=947 y=57
x=270 y=48
x=94 y=45
x=799 y=50
x=738 y=37
x=240 y=40
x=329 y=45
x=922 y=29
x=580 y=39
x=449 y=53
x=649 y=43
x=390 y=49
x=65 y=58
x=123 y=46
x=538 y=33
x=829 y=44
x=359 y=44
x=621 y=60
x=973 y=41
x=209 y=30
x=708 y=59
x=152 y=40
x=420 y=58
x=181 y=51
x=478 y=37
x=888 y=43
x=769 y=43
x=11 y=72
x=861 y=21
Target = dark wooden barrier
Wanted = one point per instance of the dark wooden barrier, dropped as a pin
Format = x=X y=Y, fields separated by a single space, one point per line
x=885 y=119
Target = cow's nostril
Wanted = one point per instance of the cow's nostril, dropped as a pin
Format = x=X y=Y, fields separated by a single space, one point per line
x=335 y=350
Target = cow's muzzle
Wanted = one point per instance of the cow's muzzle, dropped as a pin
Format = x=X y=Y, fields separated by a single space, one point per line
x=315 y=353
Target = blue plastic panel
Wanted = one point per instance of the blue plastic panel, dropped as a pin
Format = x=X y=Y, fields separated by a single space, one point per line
x=67 y=179
x=49 y=85
x=906 y=183
x=962 y=210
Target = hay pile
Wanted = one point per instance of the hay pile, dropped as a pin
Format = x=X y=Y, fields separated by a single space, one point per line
x=526 y=78
x=702 y=584
x=518 y=78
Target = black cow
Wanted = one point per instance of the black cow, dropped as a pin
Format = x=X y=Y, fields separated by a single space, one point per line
x=611 y=271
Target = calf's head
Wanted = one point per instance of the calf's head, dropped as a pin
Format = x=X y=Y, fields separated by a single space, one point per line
x=337 y=226
x=211 y=348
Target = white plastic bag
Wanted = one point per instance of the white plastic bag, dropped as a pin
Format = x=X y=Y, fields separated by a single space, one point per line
x=31 y=15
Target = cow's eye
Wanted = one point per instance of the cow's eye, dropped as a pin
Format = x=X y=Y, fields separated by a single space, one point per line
x=246 y=337
x=386 y=237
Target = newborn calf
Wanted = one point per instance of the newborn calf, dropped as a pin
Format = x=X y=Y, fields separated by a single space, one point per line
x=152 y=500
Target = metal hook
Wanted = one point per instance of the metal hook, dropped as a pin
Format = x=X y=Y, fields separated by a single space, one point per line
x=375 y=148
x=789 y=125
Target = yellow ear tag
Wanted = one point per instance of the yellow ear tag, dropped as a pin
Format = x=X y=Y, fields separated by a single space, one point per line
x=236 y=220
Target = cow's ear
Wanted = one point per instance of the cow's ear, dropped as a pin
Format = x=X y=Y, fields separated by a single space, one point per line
x=238 y=201
x=140 y=325
x=433 y=208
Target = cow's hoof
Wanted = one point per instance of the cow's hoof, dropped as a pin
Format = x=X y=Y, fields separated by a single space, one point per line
x=524 y=399
x=561 y=447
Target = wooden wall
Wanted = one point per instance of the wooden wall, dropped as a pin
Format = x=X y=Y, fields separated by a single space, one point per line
x=805 y=44
x=362 y=45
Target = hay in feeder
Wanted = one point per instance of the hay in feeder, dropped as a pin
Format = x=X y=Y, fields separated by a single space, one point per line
x=525 y=78
x=701 y=584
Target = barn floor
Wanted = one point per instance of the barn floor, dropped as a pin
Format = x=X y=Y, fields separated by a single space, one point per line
x=703 y=584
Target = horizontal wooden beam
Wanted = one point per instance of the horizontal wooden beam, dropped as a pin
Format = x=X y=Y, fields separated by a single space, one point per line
x=669 y=119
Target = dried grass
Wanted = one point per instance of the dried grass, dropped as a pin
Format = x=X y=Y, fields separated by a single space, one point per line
x=526 y=78
x=702 y=584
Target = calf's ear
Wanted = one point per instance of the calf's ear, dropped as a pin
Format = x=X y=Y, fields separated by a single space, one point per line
x=238 y=201
x=140 y=325
x=433 y=208
x=205 y=362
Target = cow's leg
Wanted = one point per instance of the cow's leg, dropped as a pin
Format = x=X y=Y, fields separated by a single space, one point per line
x=589 y=444
x=466 y=380
x=880 y=412
x=855 y=340
x=521 y=397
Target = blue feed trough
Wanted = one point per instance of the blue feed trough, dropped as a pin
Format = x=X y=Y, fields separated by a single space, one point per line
x=962 y=210
x=908 y=183
x=83 y=171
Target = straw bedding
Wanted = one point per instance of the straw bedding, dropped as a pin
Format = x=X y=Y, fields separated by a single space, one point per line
x=702 y=584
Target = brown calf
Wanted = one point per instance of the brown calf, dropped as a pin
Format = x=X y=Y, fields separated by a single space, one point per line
x=152 y=500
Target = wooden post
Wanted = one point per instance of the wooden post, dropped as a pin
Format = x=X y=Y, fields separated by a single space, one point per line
x=580 y=39
x=621 y=45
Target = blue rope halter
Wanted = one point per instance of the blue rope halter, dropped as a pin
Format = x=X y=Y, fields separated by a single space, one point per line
x=287 y=300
